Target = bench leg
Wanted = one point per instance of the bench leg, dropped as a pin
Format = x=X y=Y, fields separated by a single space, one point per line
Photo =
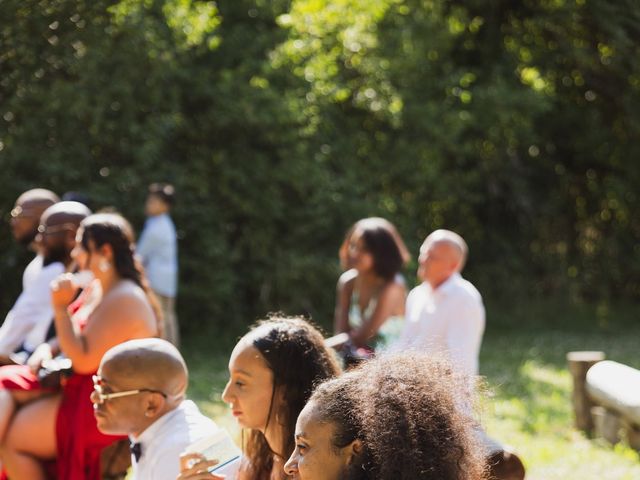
x=607 y=424
x=633 y=436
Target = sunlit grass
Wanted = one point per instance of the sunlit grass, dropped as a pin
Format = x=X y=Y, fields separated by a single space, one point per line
x=530 y=405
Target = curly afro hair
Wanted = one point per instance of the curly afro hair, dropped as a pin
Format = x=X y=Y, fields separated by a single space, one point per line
x=411 y=412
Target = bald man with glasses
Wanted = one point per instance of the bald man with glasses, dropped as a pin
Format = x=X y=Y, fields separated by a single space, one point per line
x=140 y=391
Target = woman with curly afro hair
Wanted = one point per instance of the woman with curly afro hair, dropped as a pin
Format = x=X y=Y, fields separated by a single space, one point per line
x=400 y=417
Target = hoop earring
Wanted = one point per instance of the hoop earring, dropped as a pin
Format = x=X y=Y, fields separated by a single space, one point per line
x=104 y=265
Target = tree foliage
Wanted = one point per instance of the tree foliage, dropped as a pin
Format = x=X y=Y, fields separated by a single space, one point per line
x=281 y=123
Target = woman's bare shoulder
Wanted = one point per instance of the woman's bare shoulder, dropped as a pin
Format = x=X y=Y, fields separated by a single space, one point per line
x=127 y=291
x=394 y=289
x=128 y=299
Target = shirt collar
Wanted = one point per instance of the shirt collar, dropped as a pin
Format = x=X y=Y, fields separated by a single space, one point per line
x=148 y=435
x=445 y=287
x=155 y=218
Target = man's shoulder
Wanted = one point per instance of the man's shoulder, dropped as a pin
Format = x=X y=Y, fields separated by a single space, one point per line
x=462 y=289
x=165 y=221
x=420 y=290
x=192 y=422
x=44 y=277
x=32 y=270
x=187 y=426
x=54 y=268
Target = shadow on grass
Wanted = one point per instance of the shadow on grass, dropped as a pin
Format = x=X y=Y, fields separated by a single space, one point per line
x=527 y=373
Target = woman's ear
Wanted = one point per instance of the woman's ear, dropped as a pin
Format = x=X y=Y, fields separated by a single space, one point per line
x=279 y=400
x=107 y=252
x=355 y=449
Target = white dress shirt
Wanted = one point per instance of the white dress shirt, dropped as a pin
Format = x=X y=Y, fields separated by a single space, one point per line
x=164 y=440
x=448 y=320
x=158 y=249
x=32 y=271
x=29 y=319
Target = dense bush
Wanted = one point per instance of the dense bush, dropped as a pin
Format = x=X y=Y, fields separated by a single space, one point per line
x=280 y=123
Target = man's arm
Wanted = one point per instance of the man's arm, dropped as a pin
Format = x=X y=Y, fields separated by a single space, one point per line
x=151 y=240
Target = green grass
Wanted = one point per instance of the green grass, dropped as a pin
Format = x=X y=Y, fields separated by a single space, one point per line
x=528 y=403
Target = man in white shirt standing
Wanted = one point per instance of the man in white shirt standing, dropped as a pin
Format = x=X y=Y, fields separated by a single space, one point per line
x=140 y=391
x=158 y=250
x=28 y=323
x=445 y=313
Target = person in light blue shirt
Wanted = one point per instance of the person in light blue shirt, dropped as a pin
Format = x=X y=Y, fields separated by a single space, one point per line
x=158 y=251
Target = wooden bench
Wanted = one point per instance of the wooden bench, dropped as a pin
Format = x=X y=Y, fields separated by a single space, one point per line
x=606 y=397
x=614 y=388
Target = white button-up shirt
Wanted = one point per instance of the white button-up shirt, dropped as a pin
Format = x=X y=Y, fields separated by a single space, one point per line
x=449 y=320
x=29 y=319
x=165 y=439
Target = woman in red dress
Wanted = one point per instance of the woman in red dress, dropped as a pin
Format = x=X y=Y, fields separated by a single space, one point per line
x=116 y=307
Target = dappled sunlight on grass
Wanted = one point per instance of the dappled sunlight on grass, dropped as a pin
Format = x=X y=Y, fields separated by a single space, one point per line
x=530 y=405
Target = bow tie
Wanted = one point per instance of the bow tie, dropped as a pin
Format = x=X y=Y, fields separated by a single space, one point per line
x=136 y=450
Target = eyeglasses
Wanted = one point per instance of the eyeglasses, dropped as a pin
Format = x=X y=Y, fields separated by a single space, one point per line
x=103 y=397
x=44 y=230
x=19 y=212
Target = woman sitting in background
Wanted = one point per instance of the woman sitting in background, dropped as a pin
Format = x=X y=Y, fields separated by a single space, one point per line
x=114 y=308
x=273 y=370
x=397 y=417
x=371 y=293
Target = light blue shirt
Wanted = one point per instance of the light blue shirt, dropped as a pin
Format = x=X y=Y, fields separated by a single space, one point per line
x=158 y=250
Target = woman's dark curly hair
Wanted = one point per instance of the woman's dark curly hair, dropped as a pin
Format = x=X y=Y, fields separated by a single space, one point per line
x=114 y=230
x=295 y=352
x=409 y=411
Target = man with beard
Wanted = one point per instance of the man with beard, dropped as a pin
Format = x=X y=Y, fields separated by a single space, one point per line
x=25 y=218
x=27 y=324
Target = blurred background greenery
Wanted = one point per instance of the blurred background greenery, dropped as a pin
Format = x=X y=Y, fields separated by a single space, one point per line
x=282 y=122
x=516 y=124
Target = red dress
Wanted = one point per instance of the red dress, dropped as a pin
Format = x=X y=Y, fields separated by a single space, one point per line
x=79 y=442
x=19 y=377
x=78 y=439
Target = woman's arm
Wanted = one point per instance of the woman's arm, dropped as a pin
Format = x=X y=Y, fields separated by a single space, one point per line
x=390 y=302
x=120 y=317
x=344 y=290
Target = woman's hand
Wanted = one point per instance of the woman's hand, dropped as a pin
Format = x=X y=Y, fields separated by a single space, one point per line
x=41 y=354
x=194 y=466
x=63 y=291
